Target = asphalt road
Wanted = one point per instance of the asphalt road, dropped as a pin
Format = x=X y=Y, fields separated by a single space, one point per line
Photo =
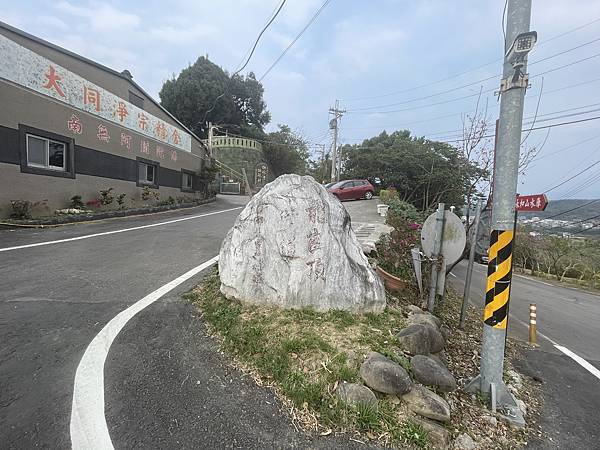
x=569 y=318
x=165 y=383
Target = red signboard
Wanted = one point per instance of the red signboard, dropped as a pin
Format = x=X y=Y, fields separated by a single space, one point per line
x=537 y=202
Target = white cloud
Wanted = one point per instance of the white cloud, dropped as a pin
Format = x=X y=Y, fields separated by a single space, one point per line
x=100 y=16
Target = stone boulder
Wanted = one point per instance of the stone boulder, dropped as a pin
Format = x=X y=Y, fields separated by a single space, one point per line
x=423 y=402
x=428 y=371
x=293 y=246
x=384 y=375
x=414 y=339
x=438 y=437
x=425 y=318
x=355 y=394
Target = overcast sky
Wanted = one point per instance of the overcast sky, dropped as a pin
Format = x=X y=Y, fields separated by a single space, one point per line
x=357 y=49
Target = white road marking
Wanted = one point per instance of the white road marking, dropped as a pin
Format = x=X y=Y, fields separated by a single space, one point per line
x=579 y=360
x=123 y=230
x=452 y=275
x=533 y=279
x=88 y=423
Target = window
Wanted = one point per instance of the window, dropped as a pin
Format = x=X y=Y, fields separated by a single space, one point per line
x=147 y=173
x=136 y=100
x=46 y=153
x=187 y=181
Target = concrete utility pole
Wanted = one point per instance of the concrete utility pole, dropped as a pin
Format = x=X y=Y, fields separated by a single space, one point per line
x=210 y=138
x=518 y=43
x=333 y=124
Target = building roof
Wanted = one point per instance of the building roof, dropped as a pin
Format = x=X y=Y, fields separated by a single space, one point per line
x=125 y=74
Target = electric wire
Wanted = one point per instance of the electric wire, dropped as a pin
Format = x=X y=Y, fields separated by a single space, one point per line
x=469 y=70
x=247 y=60
x=570 y=178
x=313 y=18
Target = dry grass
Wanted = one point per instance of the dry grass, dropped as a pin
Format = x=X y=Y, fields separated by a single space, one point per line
x=302 y=355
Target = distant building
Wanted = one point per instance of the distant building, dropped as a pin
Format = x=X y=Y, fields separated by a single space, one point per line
x=70 y=126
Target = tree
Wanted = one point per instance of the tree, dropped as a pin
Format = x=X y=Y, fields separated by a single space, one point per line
x=424 y=172
x=285 y=152
x=204 y=92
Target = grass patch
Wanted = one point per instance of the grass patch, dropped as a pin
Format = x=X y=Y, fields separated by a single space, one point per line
x=304 y=354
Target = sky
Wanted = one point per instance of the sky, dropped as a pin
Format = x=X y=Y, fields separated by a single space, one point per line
x=366 y=54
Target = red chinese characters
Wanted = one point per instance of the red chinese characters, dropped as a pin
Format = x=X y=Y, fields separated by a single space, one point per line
x=173 y=155
x=103 y=133
x=91 y=96
x=52 y=81
x=160 y=130
x=160 y=152
x=143 y=121
x=126 y=141
x=74 y=125
x=144 y=147
x=122 y=111
x=175 y=137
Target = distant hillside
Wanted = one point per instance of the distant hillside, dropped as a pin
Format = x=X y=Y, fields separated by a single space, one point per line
x=558 y=206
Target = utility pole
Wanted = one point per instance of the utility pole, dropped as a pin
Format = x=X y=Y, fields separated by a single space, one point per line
x=518 y=43
x=210 y=139
x=333 y=124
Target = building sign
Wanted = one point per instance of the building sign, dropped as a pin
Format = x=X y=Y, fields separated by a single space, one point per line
x=26 y=68
x=537 y=202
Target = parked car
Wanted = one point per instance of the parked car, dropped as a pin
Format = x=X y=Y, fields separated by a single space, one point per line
x=352 y=189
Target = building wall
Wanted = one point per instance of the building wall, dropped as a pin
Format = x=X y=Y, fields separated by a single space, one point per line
x=98 y=164
x=110 y=81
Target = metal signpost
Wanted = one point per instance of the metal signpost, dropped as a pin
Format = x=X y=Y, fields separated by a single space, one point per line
x=443 y=240
x=518 y=42
x=465 y=301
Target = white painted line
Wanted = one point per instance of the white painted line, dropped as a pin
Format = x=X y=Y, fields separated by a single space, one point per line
x=88 y=423
x=579 y=360
x=537 y=281
x=452 y=275
x=123 y=230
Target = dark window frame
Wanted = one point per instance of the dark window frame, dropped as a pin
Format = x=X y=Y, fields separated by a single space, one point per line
x=149 y=162
x=69 y=142
x=191 y=173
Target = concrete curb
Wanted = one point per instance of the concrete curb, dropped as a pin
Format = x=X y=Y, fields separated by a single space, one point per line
x=77 y=218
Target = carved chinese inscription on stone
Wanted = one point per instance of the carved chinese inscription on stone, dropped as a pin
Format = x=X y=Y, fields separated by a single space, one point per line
x=314 y=240
x=316 y=213
x=316 y=269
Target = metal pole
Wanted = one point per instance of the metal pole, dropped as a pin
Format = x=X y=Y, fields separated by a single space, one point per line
x=505 y=189
x=437 y=249
x=334 y=174
x=465 y=301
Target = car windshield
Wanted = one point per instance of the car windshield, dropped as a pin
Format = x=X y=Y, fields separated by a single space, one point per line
x=337 y=185
x=328 y=185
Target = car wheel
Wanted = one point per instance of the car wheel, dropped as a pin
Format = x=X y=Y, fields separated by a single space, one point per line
x=368 y=195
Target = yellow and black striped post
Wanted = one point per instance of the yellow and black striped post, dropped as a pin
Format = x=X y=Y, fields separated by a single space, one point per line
x=497 y=295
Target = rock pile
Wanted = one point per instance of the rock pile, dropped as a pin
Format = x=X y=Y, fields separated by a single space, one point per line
x=423 y=339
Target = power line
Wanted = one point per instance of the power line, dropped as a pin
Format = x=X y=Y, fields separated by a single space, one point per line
x=247 y=59
x=570 y=178
x=313 y=18
x=366 y=108
x=574 y=223
x=389 y=94
x=567 y=211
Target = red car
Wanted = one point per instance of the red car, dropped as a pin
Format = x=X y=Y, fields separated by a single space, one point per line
x=352 y=189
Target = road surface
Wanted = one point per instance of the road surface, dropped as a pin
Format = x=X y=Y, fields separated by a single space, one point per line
x=162 y=383
x=566 y=318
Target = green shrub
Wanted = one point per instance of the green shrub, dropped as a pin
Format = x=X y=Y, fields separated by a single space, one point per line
x=106 y=196
x=403 y=210
x=76 y=202
x=148 y=193
x=386 y=195
x=121 y=199
x=21 y=209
